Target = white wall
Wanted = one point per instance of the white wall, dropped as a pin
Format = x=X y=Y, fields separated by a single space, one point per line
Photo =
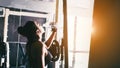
x=37 y=5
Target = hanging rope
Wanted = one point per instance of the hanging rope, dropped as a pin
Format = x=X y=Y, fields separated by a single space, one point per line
x=55 y=49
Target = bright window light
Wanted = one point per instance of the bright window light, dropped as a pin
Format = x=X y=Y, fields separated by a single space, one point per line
x=83 y=33
x=79 y=32
x=79 y=41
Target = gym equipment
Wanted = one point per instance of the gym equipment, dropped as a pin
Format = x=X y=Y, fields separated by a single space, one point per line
x=55 y=50
x=3 y=55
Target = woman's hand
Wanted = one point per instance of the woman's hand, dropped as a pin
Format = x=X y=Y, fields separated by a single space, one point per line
x=54 y=29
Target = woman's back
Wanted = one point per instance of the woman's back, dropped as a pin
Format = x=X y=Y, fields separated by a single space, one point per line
x=34 y=51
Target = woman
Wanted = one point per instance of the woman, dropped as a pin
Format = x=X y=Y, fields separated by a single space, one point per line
x=37 y=52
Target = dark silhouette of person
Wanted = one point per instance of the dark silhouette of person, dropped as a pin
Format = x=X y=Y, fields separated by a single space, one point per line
x=37 y=51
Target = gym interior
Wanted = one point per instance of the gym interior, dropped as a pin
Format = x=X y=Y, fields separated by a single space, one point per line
x=87 y=31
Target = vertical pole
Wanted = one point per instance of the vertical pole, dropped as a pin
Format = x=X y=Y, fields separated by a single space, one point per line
x=55 y=22
x=18 y=48
x=74 y=48
x=56 y=11
x=56 y=15
x=5 y=35
x=65 y=32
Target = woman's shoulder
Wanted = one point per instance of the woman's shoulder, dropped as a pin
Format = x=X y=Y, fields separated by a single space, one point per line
x=37 y=43
x=38 y=46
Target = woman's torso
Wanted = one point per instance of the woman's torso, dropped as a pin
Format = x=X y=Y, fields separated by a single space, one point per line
x=34 y=51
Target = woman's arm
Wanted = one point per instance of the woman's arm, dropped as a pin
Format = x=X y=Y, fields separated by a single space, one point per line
x=50 y=39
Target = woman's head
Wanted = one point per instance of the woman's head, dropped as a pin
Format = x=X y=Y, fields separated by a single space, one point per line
x=31 y=30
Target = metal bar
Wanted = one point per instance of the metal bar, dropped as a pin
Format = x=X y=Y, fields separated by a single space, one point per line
x=5 y=35
x=28 y=14
x=24 y=10
x=18 y=44
x=78 y=51
x=65 y=32
x=56 y=12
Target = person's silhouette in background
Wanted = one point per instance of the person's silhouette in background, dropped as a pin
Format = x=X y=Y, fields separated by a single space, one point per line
x=3 y=52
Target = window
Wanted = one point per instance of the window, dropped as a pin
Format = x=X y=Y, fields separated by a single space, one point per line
x=79 y=33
